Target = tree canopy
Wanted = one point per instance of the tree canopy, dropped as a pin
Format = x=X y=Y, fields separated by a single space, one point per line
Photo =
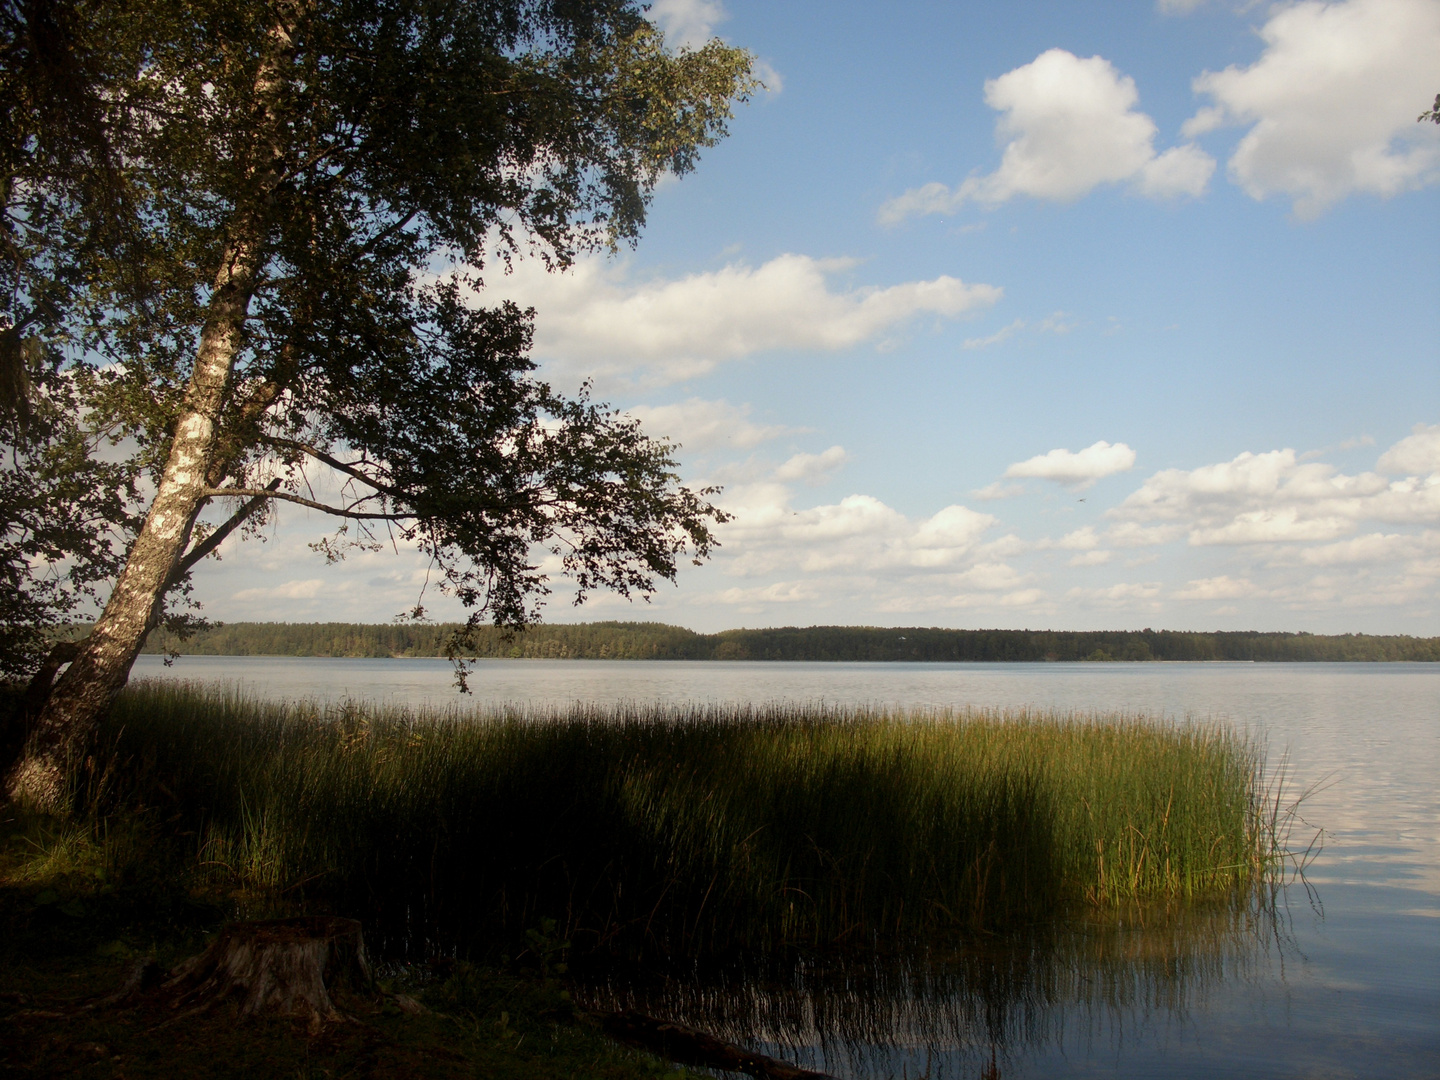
x=252 y=251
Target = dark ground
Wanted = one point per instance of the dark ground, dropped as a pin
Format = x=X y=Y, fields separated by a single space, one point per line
x=68 y=935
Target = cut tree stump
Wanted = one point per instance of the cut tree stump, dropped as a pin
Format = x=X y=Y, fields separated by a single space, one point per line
x=281 y=967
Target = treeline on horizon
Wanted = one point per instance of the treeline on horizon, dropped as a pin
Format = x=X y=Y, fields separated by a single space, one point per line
x=657 y=641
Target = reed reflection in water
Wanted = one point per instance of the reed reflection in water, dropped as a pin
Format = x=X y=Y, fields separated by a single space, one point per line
x=981 y=1007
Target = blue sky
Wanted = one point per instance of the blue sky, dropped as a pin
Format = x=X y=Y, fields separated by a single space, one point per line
x=1070 y=315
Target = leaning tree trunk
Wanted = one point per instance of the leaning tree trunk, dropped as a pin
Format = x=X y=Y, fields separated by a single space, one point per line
x=96 y=674
x=59 y=735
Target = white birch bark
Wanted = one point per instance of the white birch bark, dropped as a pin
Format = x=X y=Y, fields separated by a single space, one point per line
x=60 y=734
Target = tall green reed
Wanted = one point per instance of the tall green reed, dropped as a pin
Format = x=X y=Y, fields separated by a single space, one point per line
x=699 y=826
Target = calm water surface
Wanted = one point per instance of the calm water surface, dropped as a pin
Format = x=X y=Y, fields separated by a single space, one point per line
x=1341 y=980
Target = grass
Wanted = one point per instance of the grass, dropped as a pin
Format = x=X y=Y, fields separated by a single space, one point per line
x=80 y=904
x=702 y=828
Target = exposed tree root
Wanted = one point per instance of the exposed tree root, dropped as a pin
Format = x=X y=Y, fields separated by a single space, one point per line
x=689 y=1046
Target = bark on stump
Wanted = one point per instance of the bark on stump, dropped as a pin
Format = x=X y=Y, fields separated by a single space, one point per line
x=285 y=967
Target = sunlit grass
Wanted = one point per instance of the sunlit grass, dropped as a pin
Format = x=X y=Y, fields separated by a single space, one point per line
x=698 y=826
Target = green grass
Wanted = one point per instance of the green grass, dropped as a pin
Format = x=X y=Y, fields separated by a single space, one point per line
x=705 y=827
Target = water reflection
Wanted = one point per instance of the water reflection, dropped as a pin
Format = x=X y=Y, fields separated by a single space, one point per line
x=966 y=1008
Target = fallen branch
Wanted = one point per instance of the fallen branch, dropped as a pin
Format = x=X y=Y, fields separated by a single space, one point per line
x=689 y=1046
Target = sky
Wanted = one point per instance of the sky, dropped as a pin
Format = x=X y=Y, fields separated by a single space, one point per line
x=1066 y=315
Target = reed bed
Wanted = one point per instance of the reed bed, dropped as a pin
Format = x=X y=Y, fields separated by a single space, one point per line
x=696 y=827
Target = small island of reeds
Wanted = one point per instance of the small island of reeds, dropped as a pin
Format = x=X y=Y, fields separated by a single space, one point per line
x=697 y=828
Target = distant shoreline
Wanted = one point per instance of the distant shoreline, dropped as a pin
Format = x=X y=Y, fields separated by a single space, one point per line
x=658 y=641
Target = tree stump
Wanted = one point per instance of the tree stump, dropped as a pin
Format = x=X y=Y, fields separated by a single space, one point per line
x=285 y=967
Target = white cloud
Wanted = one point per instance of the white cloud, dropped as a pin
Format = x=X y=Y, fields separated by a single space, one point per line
x=1127 y=534
x=702 y=425
x=812 y=468
x=769 y=78
x=998 y=490
x=687 y=24
x=781 y=592
x=1024 y=598
x=1418 y=454
x=1269 y=526
x=1275 y=497
x=1083 y=539
x=1078 y=469
x=1069 y=125
x=1178 y=7
x=1003 y=334
x=1371 y=548
x=1052 y=324
x=1123 y=595
x=1216 y=588
x=858 y=534
x=1090 y=558
x=291 y=590
x=1331 y=102
x=595 y=320
x=1055 y=323
x=1181 y=170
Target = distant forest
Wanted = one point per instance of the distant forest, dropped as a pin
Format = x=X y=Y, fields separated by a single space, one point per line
x=656 y=641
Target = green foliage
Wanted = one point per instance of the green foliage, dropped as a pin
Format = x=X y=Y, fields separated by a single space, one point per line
x=701 y=828
x=364 y=164
x=656 y=641
x=65 y=516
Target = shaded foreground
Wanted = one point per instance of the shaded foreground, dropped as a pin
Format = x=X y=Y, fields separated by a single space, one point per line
x=700 y=829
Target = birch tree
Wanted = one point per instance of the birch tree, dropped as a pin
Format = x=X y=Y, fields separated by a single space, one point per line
x=261 y=261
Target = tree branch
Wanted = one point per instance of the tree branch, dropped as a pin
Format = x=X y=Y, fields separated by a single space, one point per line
x=298 y=500
x=325 y=459
x=216 y=538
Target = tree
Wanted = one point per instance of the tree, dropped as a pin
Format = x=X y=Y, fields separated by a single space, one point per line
x=277 y=273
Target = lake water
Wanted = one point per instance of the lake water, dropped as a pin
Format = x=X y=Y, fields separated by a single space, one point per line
x=1340 y=979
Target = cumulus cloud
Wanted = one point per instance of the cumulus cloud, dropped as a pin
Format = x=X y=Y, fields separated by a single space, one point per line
x=859 y=534
x=770 y=79
x=1331 y=102
x=1369 y=549
x=1069 y=125
x=1418 y=454
x=1216 y=588
x=757 y=597
x=598 y=321
x=1139 y=595
x=812 y=468
x=697 y=424
x=1275 y=497
x=998 y=490
x=1082 y=539
x=291 y=590
x=687 y=24
x=1078 y=469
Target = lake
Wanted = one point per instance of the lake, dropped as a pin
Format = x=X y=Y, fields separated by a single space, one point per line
x=1339 y=977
